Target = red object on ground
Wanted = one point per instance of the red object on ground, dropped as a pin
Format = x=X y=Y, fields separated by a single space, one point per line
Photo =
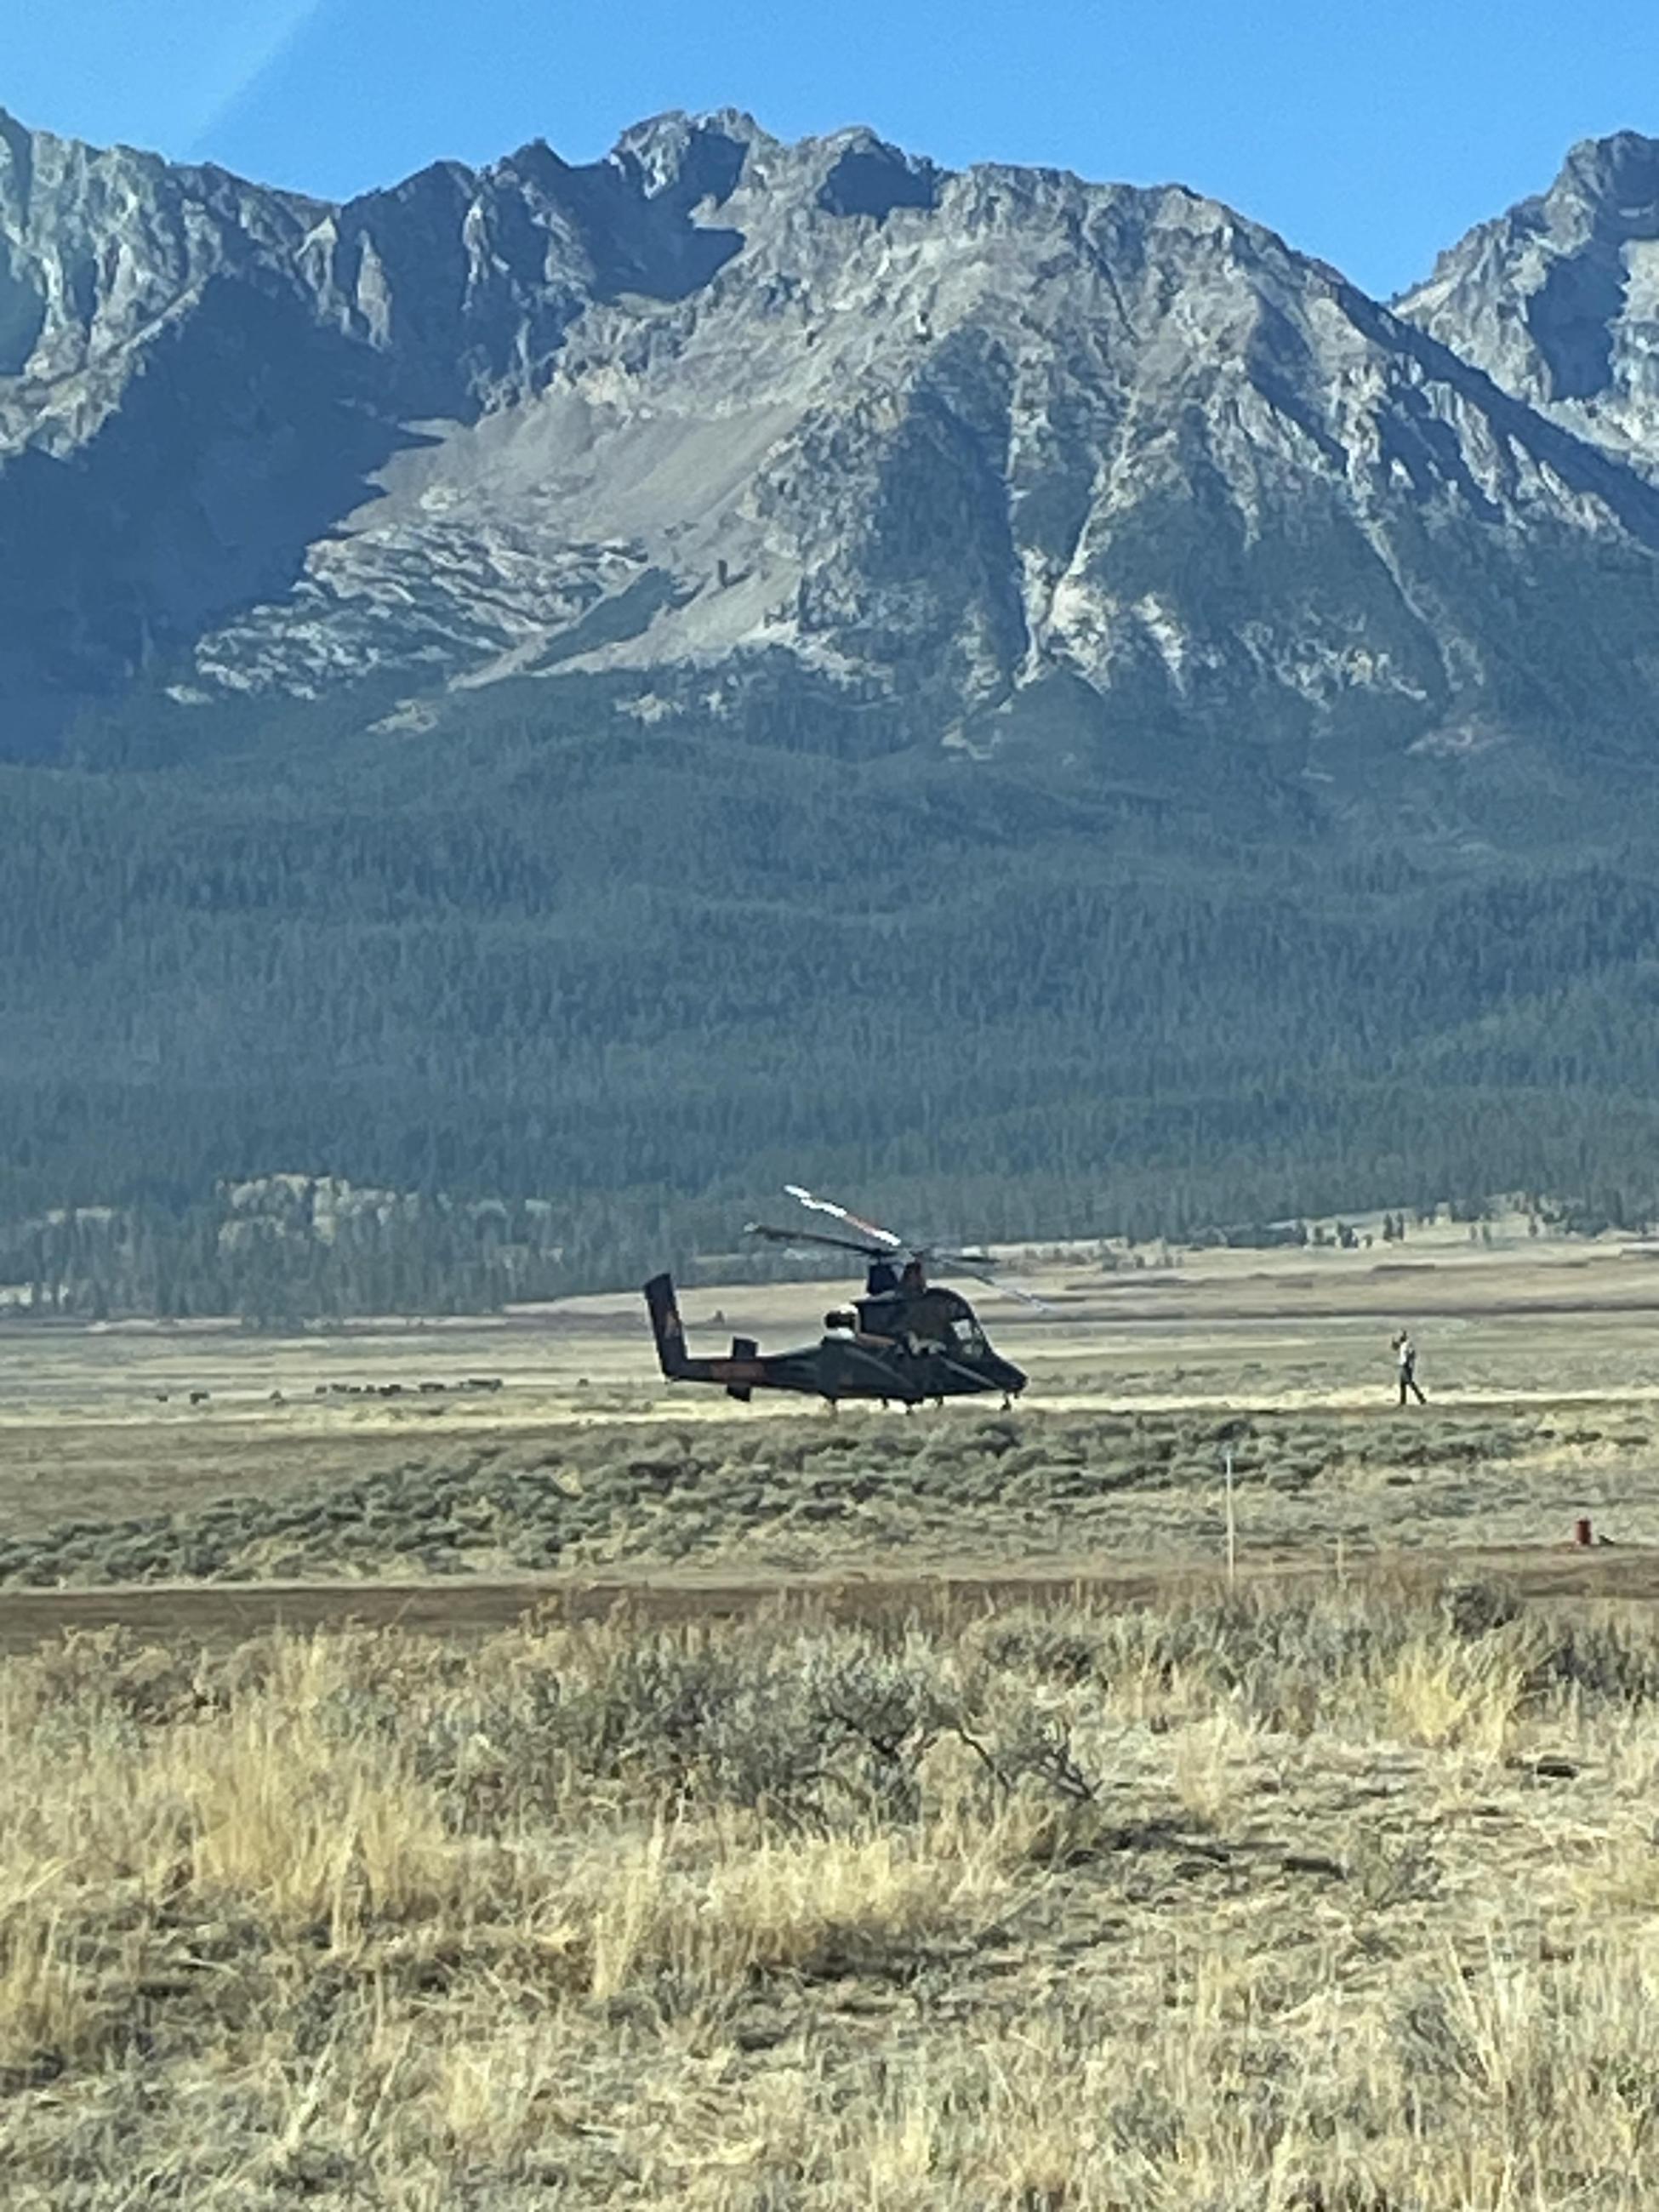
x=1581 y=1533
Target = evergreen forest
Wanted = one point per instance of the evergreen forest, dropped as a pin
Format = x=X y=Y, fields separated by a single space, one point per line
x=551 y=993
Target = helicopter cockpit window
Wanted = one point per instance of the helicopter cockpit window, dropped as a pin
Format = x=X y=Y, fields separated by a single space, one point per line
x=969 y=1337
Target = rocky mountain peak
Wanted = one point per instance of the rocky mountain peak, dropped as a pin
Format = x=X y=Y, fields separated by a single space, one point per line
x=1613 y=180
x=863 y=175
x=718 y=413
x=1558 y=298
x=689 y=157
x=100 y=247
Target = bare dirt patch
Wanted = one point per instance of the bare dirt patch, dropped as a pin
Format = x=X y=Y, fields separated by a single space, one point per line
x=476 y=1605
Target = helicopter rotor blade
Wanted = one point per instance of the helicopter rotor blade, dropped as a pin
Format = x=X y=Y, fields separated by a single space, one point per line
x=982 y=1267
x=841 y=1213
x=956 y=1263
x=810 y=1237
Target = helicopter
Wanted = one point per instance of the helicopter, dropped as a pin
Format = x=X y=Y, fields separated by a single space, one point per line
x=906 y=1339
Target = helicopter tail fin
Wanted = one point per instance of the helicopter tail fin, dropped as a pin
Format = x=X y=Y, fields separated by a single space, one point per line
x=666 y=1326
x=743 y=1348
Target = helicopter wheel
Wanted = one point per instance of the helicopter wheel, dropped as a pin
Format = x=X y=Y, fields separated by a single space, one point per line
x=1007 y=1403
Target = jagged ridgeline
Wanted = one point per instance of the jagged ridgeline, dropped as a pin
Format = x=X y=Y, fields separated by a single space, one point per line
x=601 y=687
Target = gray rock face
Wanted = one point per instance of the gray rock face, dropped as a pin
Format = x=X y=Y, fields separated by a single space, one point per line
x=1557 y=299
x=716 y=415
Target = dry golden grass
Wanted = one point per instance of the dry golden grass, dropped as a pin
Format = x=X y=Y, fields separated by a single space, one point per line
x=1292 y=1902
x=1327 y=1899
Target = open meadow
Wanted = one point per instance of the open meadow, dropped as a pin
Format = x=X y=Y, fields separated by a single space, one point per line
x=756 y=1809
x=544 y=1444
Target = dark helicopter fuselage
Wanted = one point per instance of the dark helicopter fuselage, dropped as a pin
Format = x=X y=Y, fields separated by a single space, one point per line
x=908 y=1346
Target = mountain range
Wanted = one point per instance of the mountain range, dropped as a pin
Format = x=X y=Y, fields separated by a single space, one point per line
x=720 y=414
x=745 y=542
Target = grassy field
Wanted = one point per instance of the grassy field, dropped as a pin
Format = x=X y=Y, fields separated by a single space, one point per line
x=1520 y=1319
x=862 y=1494
x=339 y=1456
x=740 y=1812
x=1304 y=1900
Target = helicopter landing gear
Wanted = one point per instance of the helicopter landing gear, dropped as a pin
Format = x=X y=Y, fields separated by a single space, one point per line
x=1007 y=1403
x=939 y=1402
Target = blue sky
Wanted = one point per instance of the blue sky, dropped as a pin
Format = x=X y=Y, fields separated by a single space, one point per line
x=1370 y=134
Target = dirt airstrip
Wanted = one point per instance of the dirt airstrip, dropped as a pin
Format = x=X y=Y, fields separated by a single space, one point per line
x=480 y=1607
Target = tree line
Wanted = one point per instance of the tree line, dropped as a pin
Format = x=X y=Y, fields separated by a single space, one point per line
x=574 y=993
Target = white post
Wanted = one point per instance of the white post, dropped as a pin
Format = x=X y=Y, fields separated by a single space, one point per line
x=1232 y=1527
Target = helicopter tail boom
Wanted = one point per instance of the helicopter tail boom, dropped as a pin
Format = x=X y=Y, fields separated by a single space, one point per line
x=740 y=1373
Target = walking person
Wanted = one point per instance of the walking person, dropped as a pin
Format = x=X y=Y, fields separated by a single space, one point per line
x=1404 y=1352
